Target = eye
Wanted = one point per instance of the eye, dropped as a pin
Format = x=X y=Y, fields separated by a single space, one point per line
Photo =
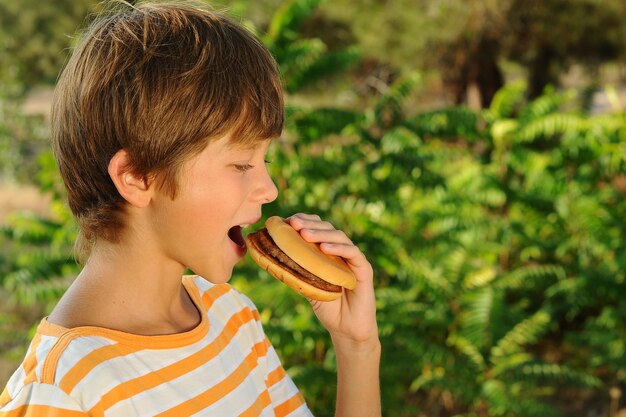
x=243 y=167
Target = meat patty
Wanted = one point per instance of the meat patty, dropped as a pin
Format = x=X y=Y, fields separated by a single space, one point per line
x=265 y=244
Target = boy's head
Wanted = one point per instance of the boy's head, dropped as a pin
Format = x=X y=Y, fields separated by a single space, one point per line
x=159 y=81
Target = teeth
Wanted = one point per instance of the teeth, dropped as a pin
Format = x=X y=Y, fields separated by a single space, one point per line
x=243 y=226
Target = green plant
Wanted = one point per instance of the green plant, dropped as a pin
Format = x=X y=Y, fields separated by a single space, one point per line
x=39 y=261
x=497 y=239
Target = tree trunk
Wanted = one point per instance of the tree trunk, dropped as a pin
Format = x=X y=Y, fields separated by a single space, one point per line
x=540 y=72
x=487 y=73
x=465 y=63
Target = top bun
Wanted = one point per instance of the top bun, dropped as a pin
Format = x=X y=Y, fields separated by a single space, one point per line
x=330 y=268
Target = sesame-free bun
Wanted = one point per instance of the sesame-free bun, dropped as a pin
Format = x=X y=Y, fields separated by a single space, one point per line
x=331 y=273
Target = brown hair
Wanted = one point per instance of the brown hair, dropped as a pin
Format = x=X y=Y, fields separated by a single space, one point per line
x=160 y=81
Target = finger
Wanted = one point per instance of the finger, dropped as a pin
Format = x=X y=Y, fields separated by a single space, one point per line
x=304 y=216
x=325 y=235
x=349 y=252
x=300 y=223
x=297 y=220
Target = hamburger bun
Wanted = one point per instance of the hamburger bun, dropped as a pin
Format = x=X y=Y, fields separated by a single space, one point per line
x=280 y=250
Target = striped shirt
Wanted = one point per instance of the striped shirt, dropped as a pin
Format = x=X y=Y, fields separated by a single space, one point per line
x=223 y=367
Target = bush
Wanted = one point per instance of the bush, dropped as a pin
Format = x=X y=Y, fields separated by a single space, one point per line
x=498 y=243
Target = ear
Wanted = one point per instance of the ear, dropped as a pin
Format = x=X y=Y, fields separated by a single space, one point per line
x=135 y=189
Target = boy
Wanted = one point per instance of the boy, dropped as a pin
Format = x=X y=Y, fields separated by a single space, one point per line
x=160 y=125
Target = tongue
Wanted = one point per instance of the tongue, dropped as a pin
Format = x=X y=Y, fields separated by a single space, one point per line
x=235 y=235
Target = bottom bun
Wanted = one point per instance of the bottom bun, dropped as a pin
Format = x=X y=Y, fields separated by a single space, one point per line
x=289 y=279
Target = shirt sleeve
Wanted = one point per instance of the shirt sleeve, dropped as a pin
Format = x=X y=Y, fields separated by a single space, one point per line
x=285 y=396
x=286 y=399
x=41 y=400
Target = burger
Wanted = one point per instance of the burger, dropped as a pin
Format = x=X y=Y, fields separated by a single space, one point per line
x=280 y=250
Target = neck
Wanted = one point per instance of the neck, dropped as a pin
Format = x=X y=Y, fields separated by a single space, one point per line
x=123 y=288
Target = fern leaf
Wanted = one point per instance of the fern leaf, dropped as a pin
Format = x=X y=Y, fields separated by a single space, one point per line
x=529 y=407
x=524 y=333
x=390 y=106
x=502 y=364
x=542 y=106
x=454 y=263
x=427 y=377
x=399 y=141
x=475 y=318
x=322 y=122
x=327 y=65
x=530 y=275
x=40 y=291
x=453 y=123
x=470 y=351
x=502 y=131
x=480 y=278
x=495 y=393
x=29 y=228
x=507 y=100
x=430 y=277
x=547 y=374
x=287 y=20
x=550 y=126
x=298 y=57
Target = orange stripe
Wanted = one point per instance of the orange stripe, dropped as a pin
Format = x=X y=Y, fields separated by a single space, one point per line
x=5 y=397
x=288 y=406
x=275 y=376
x=212 y=294
x=137 y=385
x=49 y=367
x=90 y=361
x=258 y=406
x=30 y=363
x=41 y=410
x=220 y=390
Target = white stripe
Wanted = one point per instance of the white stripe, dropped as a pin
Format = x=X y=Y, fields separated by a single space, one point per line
x=42 y=394
x=16 y=381
x=202 y=284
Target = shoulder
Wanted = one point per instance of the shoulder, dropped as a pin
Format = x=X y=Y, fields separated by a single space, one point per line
x=39 y=399
x=41 y=377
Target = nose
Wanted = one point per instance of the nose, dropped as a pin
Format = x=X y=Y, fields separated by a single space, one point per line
x=267 y=191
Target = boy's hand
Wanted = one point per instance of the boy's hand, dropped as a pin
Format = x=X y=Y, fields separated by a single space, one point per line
x=351 y=319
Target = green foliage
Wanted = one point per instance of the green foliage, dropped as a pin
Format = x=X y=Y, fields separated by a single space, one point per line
x=303 y=61
x=40 y=257
x=36 y=35
x=22 y=137
x=491 y=265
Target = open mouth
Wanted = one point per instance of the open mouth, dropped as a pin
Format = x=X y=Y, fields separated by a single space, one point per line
x=235 y=234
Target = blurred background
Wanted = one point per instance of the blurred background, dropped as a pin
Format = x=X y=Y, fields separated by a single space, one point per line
x=475 y=150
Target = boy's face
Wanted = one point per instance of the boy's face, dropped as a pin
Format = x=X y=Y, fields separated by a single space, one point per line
x=220 y=189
